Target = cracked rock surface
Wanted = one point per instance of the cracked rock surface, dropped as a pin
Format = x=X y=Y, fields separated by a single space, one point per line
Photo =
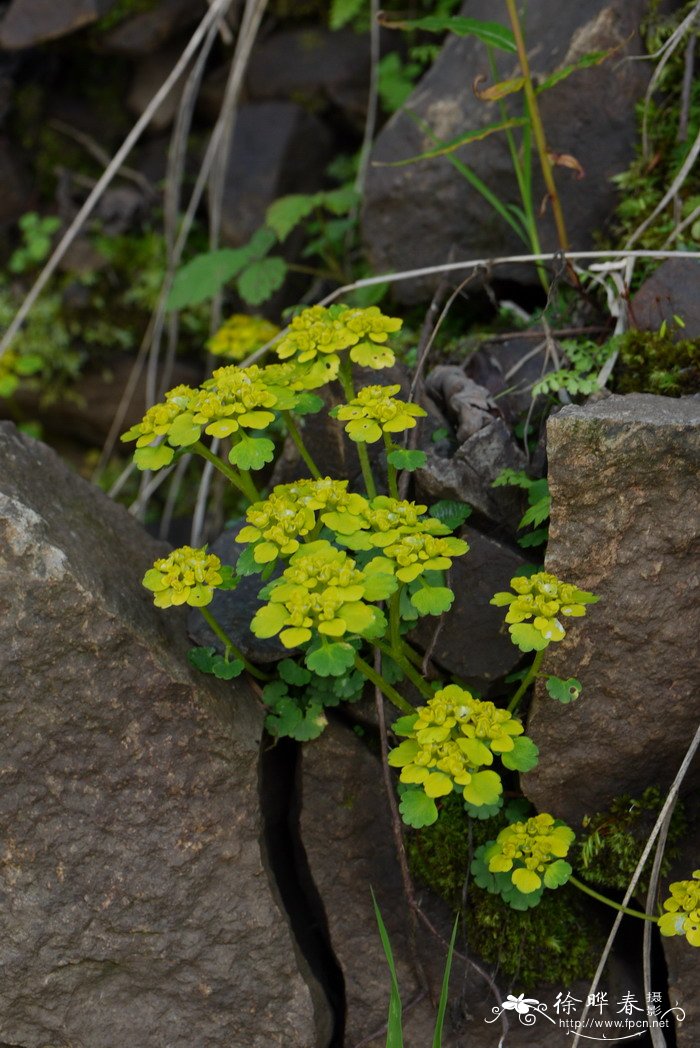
x=624 y=475
x=136 y=904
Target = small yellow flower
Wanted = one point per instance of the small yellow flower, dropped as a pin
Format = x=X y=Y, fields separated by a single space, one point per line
x=291 y=512
x=542 y=598
x=533 y=851
x=374 y=411
x=683 y=910
x=450 y=740
x=320 y=592
x=414 y=553
x=320 y=332
x=187 y=576
x=241 y=335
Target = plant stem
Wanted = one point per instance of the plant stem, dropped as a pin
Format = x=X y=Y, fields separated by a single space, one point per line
x=366 y=468
x=386 y=689
x=609 y=902
x=391 y=470
x=526 y=682
x=537 y=128
x=296 y=436
x=229 y=646
x=345 y=376
x=395 y=621
x=406 y=668
x=239 y=480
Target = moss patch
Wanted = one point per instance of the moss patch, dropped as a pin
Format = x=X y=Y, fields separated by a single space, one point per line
x=654 y=362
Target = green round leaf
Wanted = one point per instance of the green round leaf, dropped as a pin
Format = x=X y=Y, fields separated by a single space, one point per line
x=408 y=460
x=417 y=809
x=331 y=660
x=523 y=756
x=564 y=691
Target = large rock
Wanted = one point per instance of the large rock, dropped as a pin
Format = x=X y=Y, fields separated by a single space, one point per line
x=146 y=32
x=346 y=834
x=420 y=214
x=32 y=22
x=312 y=64
x=671 y=291
x=137 y=907
x=277 y=148
x=471 y=642
x=623 y=474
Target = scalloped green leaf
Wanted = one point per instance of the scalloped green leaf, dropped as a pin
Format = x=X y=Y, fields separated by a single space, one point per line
x=526 y=637
x=288 y=211
x=407 y=460
x=483 y=811
x=291 y=672
x=252 y=453
x=432 y=600
x=229 y=579
x=557 y=873
x=523 y=757
x=330 y=660
x=564 y=691
x=417 y=809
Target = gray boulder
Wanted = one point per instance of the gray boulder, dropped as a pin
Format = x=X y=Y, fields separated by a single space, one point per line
x=471 y=642
x=277 y=148
x=32 y=22
x=671 y=291
x=144 y=33
x=624 y=475
x=426 y=213
x=138 y=907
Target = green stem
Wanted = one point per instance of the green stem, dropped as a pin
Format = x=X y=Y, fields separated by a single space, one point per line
x=526 y=682
x=395 y=621
x=229 y=646
x=537 y=128
x=366 y=468
x=386 y=689
x=406 y=668
x=239 y=480
x=296 y=436
x=345 y=377
x=391 y=470
x=609 y=902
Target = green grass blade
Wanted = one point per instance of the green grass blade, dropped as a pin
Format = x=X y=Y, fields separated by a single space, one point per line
x=442 y=1004
x=394 y=1026
x=456 y=143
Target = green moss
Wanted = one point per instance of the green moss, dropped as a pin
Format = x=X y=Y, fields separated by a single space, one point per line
x=614 y=840
x=653 y=362
x=554 y=942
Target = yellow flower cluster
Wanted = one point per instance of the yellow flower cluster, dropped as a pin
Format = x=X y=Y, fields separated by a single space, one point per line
x=412 y=554
x=374 y=411
x=542 y=598
x=290 y=513
x=533 y=850
x=384 y=521
x=320 y=591
x=241 y=335
x=187 y=576
x=320 y=331
x=450 y=740
x=683 y=910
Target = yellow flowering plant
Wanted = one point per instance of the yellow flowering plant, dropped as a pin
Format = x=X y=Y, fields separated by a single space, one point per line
x=344 y=575
x=241 y=335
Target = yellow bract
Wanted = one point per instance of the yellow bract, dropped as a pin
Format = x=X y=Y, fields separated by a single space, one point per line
x=326 y=332
x=683 y=910
x=187 y=576
x=449 y=740
x=529 y=849
x=320 y=592
x=374 y=411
